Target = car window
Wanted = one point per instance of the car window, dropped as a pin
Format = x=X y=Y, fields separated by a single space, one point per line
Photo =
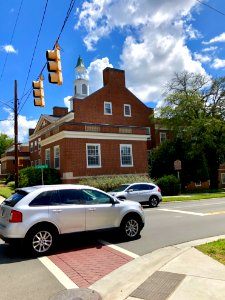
x=71 y=196
x=96 y=197
x=135 y=187
x=14 y=198
x=45 y=199
x=120 y=188
x=146 y=187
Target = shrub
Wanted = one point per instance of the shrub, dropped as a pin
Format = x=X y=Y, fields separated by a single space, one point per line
x=31 y=176
x=108 y=183
x=169 y=185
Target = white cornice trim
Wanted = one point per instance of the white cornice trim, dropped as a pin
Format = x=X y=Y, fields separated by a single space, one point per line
x=66 y=118
x=93 y=135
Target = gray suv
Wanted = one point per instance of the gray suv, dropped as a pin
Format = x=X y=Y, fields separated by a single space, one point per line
x=142 y=192
x=38 y=214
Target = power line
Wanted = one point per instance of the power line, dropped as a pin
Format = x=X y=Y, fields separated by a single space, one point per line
x=35 y=47
x=211 y=7
x=71 y=5
x=6 y=58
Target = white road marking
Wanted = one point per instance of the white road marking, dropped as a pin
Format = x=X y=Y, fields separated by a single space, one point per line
x=59 y=274
x=124 y=251
x=183 y=212
x=193 y=213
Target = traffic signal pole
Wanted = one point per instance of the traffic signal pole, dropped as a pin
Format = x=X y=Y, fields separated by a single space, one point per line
x=16 y=132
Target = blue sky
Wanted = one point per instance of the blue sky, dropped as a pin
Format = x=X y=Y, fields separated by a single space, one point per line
x=149 y=39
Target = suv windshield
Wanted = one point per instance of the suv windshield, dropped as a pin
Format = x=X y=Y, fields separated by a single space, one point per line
x=121 y=188
x=14 y=198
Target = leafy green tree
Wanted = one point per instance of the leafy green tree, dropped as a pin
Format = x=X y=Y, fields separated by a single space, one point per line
x=5 y=142
x=195 y=112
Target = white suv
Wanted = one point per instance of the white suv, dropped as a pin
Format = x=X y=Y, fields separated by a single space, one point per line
x=39 y=214
x=142 y=192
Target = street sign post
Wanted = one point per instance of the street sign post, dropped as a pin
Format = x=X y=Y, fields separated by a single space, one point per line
x=42 y=175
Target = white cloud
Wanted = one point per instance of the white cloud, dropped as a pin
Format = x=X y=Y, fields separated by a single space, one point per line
x=67 y=102
x=219 y=38
x=155 y=40
x=7 y=126
x=209 y=49
x=218 y=63
x=202 y=58
x=95 y=73
x=9 y=49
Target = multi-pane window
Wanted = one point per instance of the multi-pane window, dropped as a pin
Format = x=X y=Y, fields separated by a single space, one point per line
x=107 y=108
x=93 y=155
x=223 y=178
x=127 y=110
x=31 y=147
x=56 y=157
x=126 y=157
x=162 y=137
x=39 y=143
x=47 y=157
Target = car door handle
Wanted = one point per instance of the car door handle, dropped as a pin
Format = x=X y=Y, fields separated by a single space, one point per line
x=57 y=210
x=91 y=209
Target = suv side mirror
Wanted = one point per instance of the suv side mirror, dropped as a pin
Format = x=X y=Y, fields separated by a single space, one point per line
x=130 y=190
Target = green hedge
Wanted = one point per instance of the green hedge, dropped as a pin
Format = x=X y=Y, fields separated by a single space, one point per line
x=31 y=176
x=108 y=183
x=169 y=185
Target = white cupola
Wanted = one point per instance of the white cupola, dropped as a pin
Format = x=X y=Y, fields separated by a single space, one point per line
x=81 y=83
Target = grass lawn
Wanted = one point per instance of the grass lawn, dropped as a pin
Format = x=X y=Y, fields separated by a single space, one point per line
x=199 y=196
x=215 y=250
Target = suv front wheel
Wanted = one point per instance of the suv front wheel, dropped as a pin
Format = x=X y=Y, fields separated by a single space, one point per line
x=130 y=227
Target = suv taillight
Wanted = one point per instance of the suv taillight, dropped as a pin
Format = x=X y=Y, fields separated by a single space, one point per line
x=16 y=216
x=159 y=190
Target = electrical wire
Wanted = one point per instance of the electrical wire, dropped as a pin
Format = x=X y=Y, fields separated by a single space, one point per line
x=211 y=7
x=35 y=47
x=71 y=5
x=14 y=28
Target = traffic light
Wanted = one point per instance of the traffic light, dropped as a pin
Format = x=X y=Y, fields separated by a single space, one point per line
x=54 y=65
x=38 y=92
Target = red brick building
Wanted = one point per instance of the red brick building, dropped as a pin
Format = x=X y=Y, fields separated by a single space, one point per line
x=8 y=159
x=105 y=133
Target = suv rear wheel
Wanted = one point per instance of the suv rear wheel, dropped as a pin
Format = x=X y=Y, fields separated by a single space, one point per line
x=130 y=227
x=41 y=240
x=153 y=201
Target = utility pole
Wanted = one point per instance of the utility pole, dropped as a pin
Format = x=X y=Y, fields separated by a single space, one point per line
x=16 y=132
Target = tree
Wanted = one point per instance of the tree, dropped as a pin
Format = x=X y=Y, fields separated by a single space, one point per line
x=5 y=142
x=195 y=112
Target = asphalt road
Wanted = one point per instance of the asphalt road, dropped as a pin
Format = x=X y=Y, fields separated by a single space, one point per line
x=171 y=223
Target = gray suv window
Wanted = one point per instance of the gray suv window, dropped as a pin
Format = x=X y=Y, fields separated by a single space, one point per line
x=71 y=196
x=96 y=197
x=45 y=198
x=142 y=187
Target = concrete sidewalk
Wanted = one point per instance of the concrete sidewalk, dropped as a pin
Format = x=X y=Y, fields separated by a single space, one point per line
x=176 y=273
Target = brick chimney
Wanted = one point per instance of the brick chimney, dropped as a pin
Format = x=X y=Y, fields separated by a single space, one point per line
x=113 y=77
x=60 y=111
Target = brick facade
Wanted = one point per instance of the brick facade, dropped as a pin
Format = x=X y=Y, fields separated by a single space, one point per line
x=88 y=125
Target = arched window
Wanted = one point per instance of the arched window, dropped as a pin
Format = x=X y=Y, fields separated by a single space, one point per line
x=75 y=90
x=84 y=89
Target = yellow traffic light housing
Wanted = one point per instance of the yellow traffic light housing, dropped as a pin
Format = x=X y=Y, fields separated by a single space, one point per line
x=54 y=65
x=38 y=92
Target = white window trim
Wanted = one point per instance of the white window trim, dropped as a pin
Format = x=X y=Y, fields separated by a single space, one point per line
x=164 y=137
x=222 y=178
x=99 y=150
x=110 y=104
x=56 y=147
x=124 y=110
x=131 y=152
x=199 y=183
x=48 y=150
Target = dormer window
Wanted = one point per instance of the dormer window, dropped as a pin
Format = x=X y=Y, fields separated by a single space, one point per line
x=127 y=110
x=107 y=108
